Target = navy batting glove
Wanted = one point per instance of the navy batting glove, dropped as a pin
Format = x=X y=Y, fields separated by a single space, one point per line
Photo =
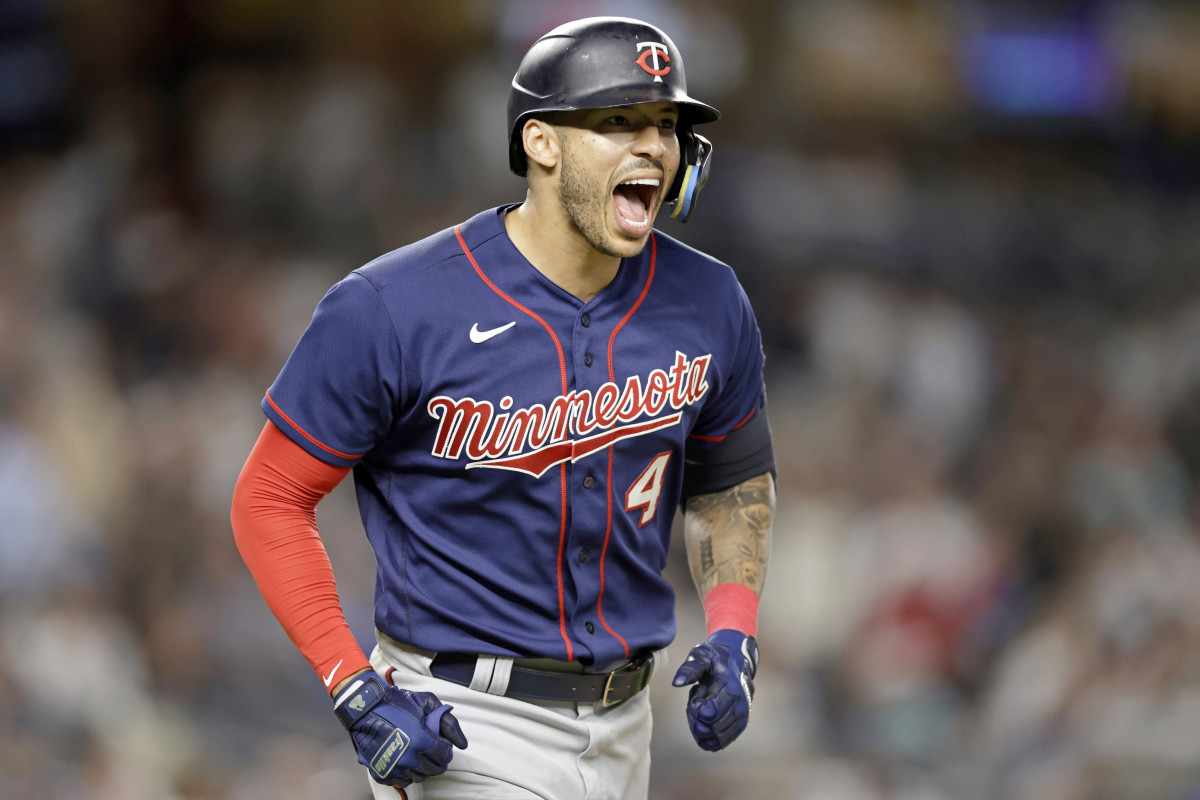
x=401 y=737
x=718 y=706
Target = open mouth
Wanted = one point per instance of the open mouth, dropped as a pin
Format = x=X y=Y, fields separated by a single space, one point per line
x=634 y=201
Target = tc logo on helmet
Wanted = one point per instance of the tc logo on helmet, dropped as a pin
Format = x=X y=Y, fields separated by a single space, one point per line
x=655 y=50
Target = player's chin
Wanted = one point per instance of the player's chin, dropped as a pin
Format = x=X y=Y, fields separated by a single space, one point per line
x=626 y=246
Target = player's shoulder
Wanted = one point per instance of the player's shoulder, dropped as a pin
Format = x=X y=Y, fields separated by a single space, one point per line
x=444 y=249
x=682 y=260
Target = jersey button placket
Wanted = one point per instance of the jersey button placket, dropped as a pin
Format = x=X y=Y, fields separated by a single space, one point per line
x=583 y=345
x=588 y=502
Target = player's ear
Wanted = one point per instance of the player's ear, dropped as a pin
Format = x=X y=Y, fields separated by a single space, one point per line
x=541 y=142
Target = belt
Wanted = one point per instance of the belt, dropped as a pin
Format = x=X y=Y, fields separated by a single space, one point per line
x=527 y=683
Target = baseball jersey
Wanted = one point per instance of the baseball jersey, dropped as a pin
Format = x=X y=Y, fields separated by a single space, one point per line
x=518 y=453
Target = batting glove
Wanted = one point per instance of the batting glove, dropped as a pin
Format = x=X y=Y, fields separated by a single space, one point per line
x=401 y=737
x=718 y=706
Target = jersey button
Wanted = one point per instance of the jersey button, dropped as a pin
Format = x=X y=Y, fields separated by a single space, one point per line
x=583 y=555
x=590 y=627
x=588 y=482
x=587 y=359
x=586 y=319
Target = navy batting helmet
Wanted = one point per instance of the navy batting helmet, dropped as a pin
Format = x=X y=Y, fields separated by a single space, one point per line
x=607 y=62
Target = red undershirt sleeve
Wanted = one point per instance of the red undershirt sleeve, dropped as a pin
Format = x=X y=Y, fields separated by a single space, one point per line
x=274 y=517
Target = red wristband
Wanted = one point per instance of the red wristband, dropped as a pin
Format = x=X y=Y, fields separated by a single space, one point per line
x=731 y=606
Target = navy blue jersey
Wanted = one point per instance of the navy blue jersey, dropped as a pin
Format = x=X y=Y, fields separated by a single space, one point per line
x=518 y=453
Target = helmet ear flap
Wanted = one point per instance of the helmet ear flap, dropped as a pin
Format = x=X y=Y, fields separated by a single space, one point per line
x=694 y=165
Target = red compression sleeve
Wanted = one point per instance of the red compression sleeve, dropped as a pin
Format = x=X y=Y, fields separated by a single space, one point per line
x=274 y=520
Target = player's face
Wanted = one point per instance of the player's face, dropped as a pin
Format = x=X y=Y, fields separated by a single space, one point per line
x=616 y=166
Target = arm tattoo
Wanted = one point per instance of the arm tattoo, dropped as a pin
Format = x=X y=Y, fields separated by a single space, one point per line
x=728 y=534
x=706 y=556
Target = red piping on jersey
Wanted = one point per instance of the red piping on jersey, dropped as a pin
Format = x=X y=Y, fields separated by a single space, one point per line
x=731 y=430
x=638 y=302
x=612 y=377
x=562 y=470
x=306 y=434
x=604 y=555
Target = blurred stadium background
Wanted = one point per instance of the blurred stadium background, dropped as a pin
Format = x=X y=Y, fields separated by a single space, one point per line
x=972 y=234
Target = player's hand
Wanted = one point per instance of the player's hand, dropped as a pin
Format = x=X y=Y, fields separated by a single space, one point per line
x=401 y=737
x=718 y=706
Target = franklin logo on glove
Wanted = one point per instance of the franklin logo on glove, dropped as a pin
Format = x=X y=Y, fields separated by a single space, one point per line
x=394 y=748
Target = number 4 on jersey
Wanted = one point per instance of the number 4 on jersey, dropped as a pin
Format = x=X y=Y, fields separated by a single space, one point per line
x=645 y=491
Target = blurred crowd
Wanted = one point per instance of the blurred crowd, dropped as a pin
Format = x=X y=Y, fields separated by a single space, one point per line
x=972 y=234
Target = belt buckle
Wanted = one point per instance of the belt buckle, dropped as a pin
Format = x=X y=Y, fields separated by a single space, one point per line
x=605 y=701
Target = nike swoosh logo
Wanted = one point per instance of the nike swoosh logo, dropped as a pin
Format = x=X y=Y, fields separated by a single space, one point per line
x=478 y=336
x=333 y=672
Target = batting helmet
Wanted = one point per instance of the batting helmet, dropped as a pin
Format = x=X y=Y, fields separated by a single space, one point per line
x=606 y=62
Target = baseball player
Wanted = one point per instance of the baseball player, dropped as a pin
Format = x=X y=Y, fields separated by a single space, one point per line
x=525 y=400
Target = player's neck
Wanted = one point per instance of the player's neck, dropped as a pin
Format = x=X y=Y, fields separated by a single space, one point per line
x=560 y=252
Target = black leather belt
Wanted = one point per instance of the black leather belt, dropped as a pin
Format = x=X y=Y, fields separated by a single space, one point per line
x=527 y=683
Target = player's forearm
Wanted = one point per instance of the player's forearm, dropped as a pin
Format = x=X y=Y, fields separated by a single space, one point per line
x=728 y=534
x=273 y=516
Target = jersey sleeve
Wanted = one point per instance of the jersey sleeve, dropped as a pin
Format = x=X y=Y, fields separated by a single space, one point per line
x=337 y=394
x=740 y=389
x=713 y=466
x=731 y=441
